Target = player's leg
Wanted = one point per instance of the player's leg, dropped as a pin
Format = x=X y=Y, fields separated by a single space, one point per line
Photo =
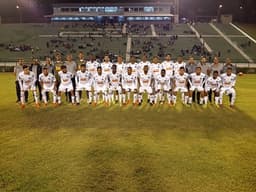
x=77 y=94
x=18 y=93
x=232 y=92
x=191 y=90
x=140 y=95
x=135 y=95
x=124 y=96
x=222 y=91
x=43 y=92
x=216 y=97
x=174 y=95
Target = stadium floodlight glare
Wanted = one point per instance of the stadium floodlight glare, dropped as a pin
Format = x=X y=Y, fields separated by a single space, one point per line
x=241 y=7
x=220 y=6
x=17 y=6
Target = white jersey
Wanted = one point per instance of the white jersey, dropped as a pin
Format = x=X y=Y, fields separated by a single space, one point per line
x=177 y=66
x=120 y=67
x=197 y=80
x=145 y=79
x=163 y=81
x=169 y=67
x=47 y=80
x=181 y=80
x=114 y=79
x=228 y=81
x=106 y=67
x=83 y=78
x=65 y=78
x=100 y=81
x=27 y=80
x=141 y=65
x=129 y=80
x=155 y=69
x=133 y=66
x=213 y=84
x=91 y=66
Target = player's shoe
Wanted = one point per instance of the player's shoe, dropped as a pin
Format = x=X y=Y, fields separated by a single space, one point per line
x=232 y=106
x=94 y=104
x=140 y=103
x=77 y=104
x=22 y=106
x=45 y=104
x=37 y=105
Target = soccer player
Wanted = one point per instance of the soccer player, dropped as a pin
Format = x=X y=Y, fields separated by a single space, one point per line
x=17 y=70
x=48 y=84
x=228 y=86
x=65 y=84
x=100 y=85
x=180 y=82
x=83 y=80
x=106 y=65
x=212 y=85
x=155 y=67
x=164 y=87
x=129 y=85
x=36 y=68
x=81 y=60
x=168 y=65
x=178 y=64
x=145 y=85
x=216 y=66
x=197 y=81
x=144 y=62
x=72 y=68
x=27 y=80
x=92 y=65
x=133 y=64
x=119 y=65
x=115 y=91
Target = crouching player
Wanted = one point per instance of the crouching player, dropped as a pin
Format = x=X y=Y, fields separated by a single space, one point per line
x=65 y=84
x=115 y=91
x=180 y=82
x=27 y=80
x=129 y=84
x=48 y=84
x=196 y=82
x=84 y=82
x=145 y=84
x=163 y=87
x=212 y=85
x=100 y=86
x=228 y=86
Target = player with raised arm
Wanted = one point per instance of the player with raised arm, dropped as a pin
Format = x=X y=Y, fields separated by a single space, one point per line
x=145 y=85
x=27 y=80
x=164 y=87
x=100 y=85
x=180 y=82
x=197 y=81
x=65 y=84
x=84 y=82
x=212 y=85
x=129 y=85
x=48 y=84
x=228 y=86
x=115 y=90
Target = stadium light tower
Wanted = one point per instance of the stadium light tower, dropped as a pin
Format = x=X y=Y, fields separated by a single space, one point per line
x=219 y=12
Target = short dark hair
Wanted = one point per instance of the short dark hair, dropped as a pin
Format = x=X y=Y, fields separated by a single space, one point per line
x=25 y=66
x=82 y=65
x=63 y=67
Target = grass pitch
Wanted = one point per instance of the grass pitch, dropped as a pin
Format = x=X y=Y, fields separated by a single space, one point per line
x=149 y=149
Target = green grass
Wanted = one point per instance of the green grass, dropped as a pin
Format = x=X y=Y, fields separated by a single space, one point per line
x=82 y=148
x=249 y=28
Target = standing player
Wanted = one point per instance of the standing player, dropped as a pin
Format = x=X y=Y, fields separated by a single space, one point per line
x=212 y=85
x=163 y=87
x=228 y=86
x=100 y=85
x=119 y=65
x=144 y=62
x=168 y=65
x=92 y=65
x=145 y=85
x=133 y=64
x=17 y=70
x=155 y=69
x=129 y=85
x=48 y=84
x=197 y=81
x=115 y=90
x=27 y=80
x=65 y=84
x=180 y=82
x=106 y=65
x=178 y=64
x=83 y=82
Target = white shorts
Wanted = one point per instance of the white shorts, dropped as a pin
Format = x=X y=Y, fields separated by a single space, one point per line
x=115 y=88
x=163 y=87
x=130 y=88
x=181 y=89
x=63 y=88
x=207 y=89
x=81 y=87
x=28 y=88
x=145 y=89
x=198 y=88
x=227 y=91
x=100 y=89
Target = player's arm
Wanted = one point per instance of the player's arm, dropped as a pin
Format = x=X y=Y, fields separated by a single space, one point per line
x=20 y=82
x=233 y=83
x=189 y=80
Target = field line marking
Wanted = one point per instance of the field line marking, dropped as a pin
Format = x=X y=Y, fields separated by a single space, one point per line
x=209 y=49
x=153 y=30
x=232 y=44
x=128 y=48
x=243 y=32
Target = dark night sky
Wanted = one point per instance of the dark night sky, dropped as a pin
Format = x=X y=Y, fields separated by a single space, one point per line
x=188 y=8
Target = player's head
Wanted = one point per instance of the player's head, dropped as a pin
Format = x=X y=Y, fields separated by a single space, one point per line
x=129 y=70
x=58 y=57
x=25 y=69
x=113 y=69
x=198 y=70
x=133 y=59
x=163 y=72
x=106 y=58
x=45 y=70
x=81 y=55
x=203 y=59
x=168 y=57
x=145 y=69
x=180 y=59
x=119 y=59
x=83 y=67
x=215 y=74
x=181 y=70
x=215 y=60
x=63 y=68
x=20 y=61
x=191 y=60
x=92 y=57
x=69 y=57
x=229 y=71
x=48 y=61
x=228 y=61
x=35 y=61
x=155 y=59
x=144 y=58
x=99 y=70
